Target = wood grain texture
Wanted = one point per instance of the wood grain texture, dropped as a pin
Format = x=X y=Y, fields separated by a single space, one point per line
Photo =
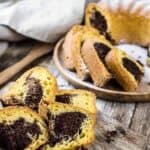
x=140 y=122
x=134 y=116
x=111 y=135
x=38 y=50
x=121 y=112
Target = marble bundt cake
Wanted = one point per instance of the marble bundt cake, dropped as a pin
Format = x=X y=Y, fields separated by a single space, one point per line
x=21 y=129
x=94 y=53
x=69 y=126
x=119 y=26
x=31 y=88
x=79 y=98
x=127 y=71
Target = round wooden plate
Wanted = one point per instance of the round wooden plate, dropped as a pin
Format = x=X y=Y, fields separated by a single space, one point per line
x=116 y=95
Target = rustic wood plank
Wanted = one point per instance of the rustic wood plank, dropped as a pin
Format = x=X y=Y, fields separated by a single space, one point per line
x=37 y=51
x=141 y=121
x=111 y=135
x=120 y=111
x=15 y=52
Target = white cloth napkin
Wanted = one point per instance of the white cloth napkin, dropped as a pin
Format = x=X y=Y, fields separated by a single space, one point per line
x=43 y=20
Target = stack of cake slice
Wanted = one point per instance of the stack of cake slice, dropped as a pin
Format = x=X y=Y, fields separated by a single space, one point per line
x=93 y=56
x=45 y=117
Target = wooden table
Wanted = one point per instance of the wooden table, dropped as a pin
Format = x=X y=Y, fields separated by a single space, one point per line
x=134 y=116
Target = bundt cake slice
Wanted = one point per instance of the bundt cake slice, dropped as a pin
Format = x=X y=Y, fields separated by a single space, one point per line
x=94 y=53
x=80 y=66
x=127 y=71
x=69 y=126
x=31 y=88
x=67 y=46
x=21 y=129
x=121 y=27
x=79 y=98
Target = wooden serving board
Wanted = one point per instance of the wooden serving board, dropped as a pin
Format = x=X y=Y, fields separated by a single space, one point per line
x=142 y=94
